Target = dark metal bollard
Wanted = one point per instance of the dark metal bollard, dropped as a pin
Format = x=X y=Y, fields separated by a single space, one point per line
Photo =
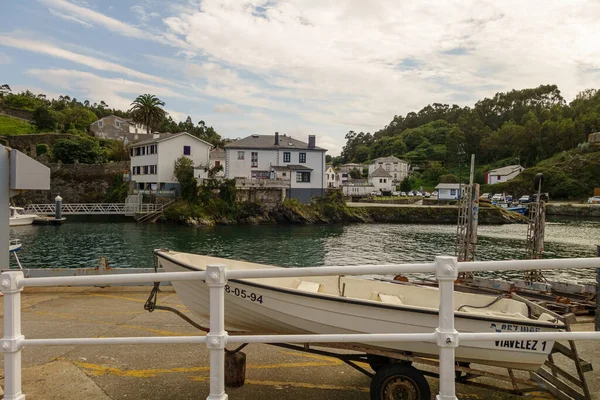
x=235 y=369
x=58 y=211
x=597 y=324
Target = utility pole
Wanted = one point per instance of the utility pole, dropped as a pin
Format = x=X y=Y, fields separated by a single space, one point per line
x=468 y=218
x=535 y=231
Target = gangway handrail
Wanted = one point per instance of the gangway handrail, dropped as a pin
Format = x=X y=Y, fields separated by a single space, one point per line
x=445 y=336
x=94 y=208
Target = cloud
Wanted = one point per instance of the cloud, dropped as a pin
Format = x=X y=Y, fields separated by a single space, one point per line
x=227 y=108
x=95 y=63
x=92 y=86
x=143 y=14
x=69 y=18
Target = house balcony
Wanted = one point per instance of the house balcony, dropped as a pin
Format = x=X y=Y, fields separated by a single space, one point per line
x=157 y=193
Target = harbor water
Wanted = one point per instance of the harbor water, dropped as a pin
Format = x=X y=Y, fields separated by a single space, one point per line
x=78 y=244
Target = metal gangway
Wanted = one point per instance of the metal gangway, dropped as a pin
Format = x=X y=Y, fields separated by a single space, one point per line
x=129 y=209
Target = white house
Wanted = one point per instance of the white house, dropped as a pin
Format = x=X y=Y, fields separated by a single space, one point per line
x=357 y=188
x=449 y=191
x=381 y=180
x=503 y=174
x=152 y=160
x=117 y=128
x=397 y=168
x=298 y=165
x=332 y=178
x=217 y=158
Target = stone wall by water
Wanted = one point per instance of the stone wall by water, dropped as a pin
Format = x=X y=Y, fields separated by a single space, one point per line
x=268 y=197
x=77 y=183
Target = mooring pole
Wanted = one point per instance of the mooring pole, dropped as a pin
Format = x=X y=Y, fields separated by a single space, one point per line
x=58 y=210
x=597 y=324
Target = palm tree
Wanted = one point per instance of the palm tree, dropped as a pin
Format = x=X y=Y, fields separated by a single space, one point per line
x=146 y=109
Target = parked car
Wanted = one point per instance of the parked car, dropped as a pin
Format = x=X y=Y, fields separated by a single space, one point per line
x=524 y=199
x=378 y=194
x=594 y=200
x=403 y=194
x=418 y=194
x=427 y=195
x=486 y=196
x=508 y=198
x=395 y=194
x=435 y=194
x=498 y=197
x=374 y=193
x=411 y=194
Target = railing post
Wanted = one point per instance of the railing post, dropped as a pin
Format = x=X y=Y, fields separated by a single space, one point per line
x=216 y=339
x=12 y=334
x=597 y=324
x=447 y=337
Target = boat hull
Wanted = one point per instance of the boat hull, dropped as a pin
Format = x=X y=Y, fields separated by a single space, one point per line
x=20 y=221
x=262 y=309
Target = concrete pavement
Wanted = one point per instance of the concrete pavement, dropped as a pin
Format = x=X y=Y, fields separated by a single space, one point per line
x=171 y=371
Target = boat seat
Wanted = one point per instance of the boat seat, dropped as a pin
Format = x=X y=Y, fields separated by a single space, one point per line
x=390 y=299
x=307 y=286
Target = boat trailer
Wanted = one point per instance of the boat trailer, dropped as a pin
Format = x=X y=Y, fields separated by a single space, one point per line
x=397 y=374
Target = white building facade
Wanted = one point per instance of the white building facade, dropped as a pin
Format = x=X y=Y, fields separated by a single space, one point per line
x=397 y=168
x=332 y=178
x=381 y=180
x=297 y=165
x=117 y=128
x=217 y=159
x=357 y=188
x=449 y=191
x=503 y=174
x=152 y=161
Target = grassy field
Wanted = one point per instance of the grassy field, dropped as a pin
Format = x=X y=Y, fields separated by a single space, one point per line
x=14 y=126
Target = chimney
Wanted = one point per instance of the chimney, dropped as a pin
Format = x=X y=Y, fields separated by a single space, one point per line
x=276 y=138
x=312 y=139
x=156 y=136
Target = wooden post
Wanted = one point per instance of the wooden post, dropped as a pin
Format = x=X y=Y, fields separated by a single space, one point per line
x=235 y=369
x=597 y=324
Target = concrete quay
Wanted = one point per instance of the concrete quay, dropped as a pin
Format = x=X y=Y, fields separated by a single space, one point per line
x=177 y=371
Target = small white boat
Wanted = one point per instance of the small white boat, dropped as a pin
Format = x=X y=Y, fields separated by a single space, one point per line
x=19 y=218
x=14 y=245
x=345 y=304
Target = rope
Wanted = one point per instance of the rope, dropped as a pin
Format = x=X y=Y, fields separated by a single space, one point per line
x=150 y=306
x=497 y=299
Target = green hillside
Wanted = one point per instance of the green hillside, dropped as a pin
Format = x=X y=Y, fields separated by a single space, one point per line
x=568 y=175
x=14 y=126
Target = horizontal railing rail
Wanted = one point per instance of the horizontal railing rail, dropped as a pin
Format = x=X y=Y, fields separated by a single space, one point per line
x=215 y=277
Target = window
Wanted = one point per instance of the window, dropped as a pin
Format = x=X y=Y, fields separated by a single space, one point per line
x=151 y=167
x=452 y=192
x=254 y=159
x=240 y=155
x=287 y=156
x=284 y=174
x=133 y=171
x=302 y=176
x=138 y=170
x=217 y=163
x=100 y=123
x=118 y=124
x=187 y=150
x=144 y=151
x=380 y=180
x=131 y=152
x=138 y=151
x=302 y=158
x=498 y=177
x=151 y=149
x=145 y=170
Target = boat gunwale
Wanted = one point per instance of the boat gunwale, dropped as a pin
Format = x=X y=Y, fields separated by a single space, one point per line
x=369 y=303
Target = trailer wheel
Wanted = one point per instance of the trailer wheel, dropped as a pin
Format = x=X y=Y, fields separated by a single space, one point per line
x=399 y=382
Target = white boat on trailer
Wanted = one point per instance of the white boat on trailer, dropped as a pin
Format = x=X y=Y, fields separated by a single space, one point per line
x=345 y=304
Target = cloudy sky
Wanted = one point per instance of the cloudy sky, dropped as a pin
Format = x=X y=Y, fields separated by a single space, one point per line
x=297 y=66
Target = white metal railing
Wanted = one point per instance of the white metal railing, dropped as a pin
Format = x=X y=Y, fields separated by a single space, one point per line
x=91 y=208
x=447 y=338
x=159 y=193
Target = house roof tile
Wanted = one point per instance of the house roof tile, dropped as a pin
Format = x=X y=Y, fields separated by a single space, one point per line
x=268 y=142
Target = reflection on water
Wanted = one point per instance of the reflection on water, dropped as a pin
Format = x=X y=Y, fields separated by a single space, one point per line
x=126 y=244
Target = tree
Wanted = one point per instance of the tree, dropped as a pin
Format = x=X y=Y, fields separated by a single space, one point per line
x=406 y=185
x=328 y=158
x=79 y=117
x=355 y=173
x=183 y=172
x=4 y=89
x=146 y=109
x=84 y=150
x=46 y=119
